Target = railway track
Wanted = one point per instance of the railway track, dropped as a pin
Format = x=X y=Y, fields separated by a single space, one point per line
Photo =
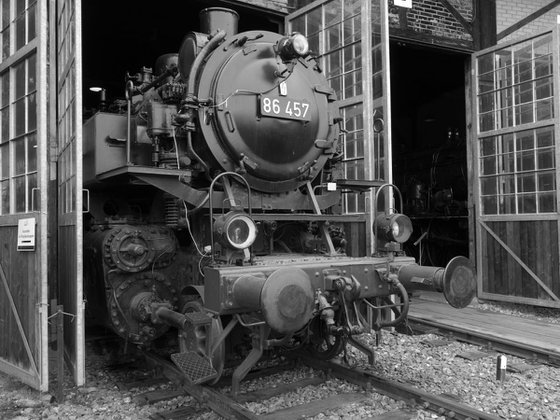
x=232 y=408
x=486 y=340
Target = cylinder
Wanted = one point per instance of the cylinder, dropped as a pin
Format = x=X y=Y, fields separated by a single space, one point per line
x=418 y=277
x=218 y=18
x=247 y=291
x=457 y=281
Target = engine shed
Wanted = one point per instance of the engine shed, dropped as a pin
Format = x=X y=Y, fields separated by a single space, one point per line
x=450 y=100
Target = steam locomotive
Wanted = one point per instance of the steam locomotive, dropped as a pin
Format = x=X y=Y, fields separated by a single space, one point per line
x=212 y=211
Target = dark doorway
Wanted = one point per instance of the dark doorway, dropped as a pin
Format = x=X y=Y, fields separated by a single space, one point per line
x=124 y=36
x=429 y=148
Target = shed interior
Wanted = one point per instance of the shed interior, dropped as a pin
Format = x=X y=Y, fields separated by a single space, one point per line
x=429 y=148
x=124 y=36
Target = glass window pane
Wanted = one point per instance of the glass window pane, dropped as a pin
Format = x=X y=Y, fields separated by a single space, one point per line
x=545 y=110
x=525 y=140
x=544 y=88
x=547 y=181
x=526 y=183
x=31 y=73
x=298 y=24
x=5 y=13
x=31 y=112
x=19 y=71
x=545 y=137
x=20 y=32
x=19 y=155
x=524 y=114
x=486 y=102
x=526 y=161
x=486 y=63
x=508 y=163
x=547 y=203
x=5 y=43
x=31 y=24
x=5 y=89
x=19 y=185
x=20 y=7
x=489 y=186
x=5 y=129
x=333 y=12
x=486 y=121
x=545 y=159
x=32 y=153
x=333 y=35
x=19 y=117
x=31 y=183
x=5 y=187
x=333 y=66
x=489 y=205
x=488 y=166
x=527 y=203
x=5 y=156
x=314 y=21
x=488 y=146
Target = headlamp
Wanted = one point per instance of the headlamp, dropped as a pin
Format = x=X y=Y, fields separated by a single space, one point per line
x=236 y=230
x=293 y=46
x=394 y=227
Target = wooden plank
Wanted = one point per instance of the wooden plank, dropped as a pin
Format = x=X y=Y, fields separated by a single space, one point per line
x=18 y=314
x=508 y=250
x=394 y=415
x=315 y=407
x=153 y=397
x=526 y=20
x=529 y=253
x=534 y=333
x=266 y=393
x=554 y=259
x=178 y=414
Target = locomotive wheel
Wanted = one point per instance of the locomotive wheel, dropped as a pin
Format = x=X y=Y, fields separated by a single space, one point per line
x=323 y=344
x=218 y=358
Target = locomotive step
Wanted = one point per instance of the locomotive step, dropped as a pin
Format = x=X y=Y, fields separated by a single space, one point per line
x=196 y=368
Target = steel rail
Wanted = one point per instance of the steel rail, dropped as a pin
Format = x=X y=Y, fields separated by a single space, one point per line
x=231 y=409
x=439 y=404
x=213 y=399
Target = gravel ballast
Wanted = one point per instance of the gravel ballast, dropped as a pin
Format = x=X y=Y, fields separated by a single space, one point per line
x=531 y=393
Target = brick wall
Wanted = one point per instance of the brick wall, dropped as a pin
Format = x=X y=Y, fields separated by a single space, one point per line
x=509 y=12
x=430 y=17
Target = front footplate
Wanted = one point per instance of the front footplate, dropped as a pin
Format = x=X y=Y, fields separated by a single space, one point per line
x=196 y=368
x=194 y=327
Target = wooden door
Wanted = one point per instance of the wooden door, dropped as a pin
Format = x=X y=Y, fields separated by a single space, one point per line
x=516 y=155
x=23 y=192
x=67 y=77
x=350 y=39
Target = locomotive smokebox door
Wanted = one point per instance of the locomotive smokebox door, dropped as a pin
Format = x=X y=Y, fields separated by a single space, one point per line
x=267 y=115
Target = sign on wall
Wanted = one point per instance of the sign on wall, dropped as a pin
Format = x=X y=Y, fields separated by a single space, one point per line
x=26 y=234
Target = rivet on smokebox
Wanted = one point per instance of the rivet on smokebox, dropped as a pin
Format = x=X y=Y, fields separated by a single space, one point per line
x=501 y=367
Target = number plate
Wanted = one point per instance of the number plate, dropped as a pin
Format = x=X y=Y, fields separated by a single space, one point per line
x=280 y=107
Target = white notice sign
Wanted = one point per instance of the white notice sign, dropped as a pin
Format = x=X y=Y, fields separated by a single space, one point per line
x=403 y=3
x=26 y=234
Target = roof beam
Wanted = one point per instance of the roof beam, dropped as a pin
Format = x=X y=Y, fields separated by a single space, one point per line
x=457 y=15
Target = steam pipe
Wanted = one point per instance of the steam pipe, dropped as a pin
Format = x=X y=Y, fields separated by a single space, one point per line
x=200 y=58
